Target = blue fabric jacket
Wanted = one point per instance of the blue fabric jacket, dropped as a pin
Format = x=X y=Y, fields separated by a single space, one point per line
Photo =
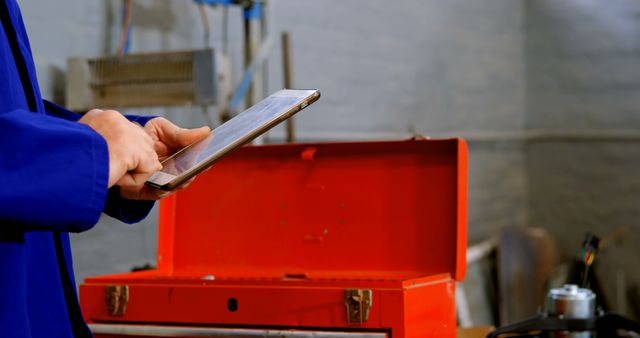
x=53 y=180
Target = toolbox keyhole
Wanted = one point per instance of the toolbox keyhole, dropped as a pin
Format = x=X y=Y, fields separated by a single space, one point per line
x=232 y=304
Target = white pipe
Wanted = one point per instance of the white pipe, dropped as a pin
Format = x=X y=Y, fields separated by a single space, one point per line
x=481 y=250
x=532 y=135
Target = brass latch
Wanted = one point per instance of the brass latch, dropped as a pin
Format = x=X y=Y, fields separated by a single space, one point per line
x=117 y=297
x=358 y=303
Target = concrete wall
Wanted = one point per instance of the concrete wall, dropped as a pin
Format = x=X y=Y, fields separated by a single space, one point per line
x=430 y=67
x=582 y=70
x=427 y=67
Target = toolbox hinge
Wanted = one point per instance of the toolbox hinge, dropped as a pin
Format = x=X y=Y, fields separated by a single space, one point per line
x=358 y=303
x=117 y=297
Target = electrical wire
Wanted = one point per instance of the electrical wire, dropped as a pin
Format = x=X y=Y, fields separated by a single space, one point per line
x=587 y=256
x=126 y=28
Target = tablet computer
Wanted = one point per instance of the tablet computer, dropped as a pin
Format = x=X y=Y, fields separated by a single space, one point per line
x=193 y=159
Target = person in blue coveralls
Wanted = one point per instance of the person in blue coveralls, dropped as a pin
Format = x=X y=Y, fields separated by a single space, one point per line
x=58 y=172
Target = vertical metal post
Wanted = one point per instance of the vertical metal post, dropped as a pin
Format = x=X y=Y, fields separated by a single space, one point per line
x=248 y=56
x=288 y=80
x=264 y=31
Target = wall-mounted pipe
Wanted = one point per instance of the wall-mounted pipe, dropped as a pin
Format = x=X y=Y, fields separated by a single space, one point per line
x=535 y=135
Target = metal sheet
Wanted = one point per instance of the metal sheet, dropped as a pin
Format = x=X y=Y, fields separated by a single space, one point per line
x=177 y=331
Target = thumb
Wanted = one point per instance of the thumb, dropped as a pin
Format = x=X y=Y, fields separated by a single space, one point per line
x=185 y=137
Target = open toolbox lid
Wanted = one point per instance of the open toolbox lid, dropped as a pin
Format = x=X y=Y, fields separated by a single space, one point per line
x=372 y=210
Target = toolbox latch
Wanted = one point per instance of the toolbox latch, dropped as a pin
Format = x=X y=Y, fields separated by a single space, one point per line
x=358 y=303
x=117 y=297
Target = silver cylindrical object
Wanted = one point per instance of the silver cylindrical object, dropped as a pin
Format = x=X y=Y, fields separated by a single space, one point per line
x=571 y=301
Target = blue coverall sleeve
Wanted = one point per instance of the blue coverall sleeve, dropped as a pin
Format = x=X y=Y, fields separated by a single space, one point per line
x=55 y=110
x=54 y=173
x=128 y=211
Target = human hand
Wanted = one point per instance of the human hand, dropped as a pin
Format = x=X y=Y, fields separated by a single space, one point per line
x=168 y=138
x=132 y=157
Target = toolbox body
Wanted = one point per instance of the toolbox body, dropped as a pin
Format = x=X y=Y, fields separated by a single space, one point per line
x=362 y=239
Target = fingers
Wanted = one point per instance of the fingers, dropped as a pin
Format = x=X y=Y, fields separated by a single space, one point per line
x=147 y=165
x=133 y=179
x=185 y=137
x=143 y=193
x=132 y=157
x=173 y=136
x=134 y=151
x=148 y=161
x=129 y=190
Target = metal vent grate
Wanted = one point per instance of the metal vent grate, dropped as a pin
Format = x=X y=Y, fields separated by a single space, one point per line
x=142 y=80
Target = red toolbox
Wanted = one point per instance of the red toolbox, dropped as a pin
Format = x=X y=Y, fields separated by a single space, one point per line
x=308 y=240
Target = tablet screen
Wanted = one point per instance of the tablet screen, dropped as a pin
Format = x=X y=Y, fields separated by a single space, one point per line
x=235 y=132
